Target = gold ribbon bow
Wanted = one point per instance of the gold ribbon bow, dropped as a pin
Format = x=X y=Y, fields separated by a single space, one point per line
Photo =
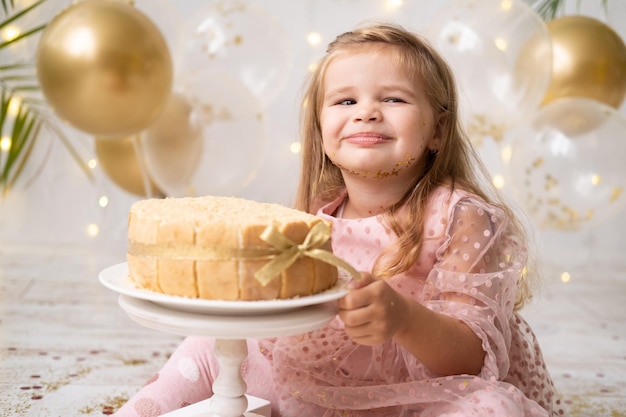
x=289 y=252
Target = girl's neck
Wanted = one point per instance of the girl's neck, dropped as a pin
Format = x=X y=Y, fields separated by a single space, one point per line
x=371 y=200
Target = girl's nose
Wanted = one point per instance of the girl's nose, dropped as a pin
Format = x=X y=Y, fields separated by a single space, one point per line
x=367 y=112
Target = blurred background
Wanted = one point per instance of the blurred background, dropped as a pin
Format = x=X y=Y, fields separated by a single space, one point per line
x=107 y=102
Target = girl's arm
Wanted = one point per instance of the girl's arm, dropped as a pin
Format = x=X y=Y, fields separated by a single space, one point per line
x=468 y=277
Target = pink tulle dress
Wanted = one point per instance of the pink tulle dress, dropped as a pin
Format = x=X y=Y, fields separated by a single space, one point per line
x=468 y=249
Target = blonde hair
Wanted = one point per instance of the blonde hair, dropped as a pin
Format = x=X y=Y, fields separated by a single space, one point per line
x=456 y=163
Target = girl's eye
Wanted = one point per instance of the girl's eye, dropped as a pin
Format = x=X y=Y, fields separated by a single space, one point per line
x=346 y=102
x=394 y=100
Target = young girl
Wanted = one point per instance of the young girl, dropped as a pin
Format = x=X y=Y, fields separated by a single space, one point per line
x=431 y=329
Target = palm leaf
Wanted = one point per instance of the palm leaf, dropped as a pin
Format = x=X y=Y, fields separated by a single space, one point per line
x=551 y=9
x=19 y=84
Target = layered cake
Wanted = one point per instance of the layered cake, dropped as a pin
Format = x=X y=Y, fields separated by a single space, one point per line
x=227 y=248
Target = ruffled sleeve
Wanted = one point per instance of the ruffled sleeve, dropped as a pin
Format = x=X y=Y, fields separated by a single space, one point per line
x=475 y=277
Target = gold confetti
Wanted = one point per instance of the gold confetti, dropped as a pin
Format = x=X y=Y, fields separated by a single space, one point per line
x=615 y=194
x=480 y=128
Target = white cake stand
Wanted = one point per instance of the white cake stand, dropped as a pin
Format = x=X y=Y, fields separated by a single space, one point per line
x=230 y=323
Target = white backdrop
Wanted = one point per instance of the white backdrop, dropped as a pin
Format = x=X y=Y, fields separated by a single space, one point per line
x=55 y=203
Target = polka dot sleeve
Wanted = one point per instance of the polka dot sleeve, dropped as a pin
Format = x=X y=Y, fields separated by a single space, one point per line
x=475 y=278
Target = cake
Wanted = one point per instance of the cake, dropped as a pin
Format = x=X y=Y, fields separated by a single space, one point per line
x=218 y=248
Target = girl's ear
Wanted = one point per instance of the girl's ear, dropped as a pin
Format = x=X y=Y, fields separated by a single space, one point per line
x=435 y=142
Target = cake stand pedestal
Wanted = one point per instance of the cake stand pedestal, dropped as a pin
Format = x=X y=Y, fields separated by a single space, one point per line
x=230 y=332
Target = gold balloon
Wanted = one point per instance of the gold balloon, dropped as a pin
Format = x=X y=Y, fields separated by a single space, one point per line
x=588 y=60
x=118 y=159
x=104 y=67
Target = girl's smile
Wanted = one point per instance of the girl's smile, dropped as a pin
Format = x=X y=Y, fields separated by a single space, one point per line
x=366 y=138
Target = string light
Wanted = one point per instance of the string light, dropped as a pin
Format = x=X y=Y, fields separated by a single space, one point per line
x=103 y=201
x=506 y=153
x=596 y=179
x=392 y=5
x=498 y=181
x=92 y=230
x=501 y=44
x=10 y=32
x=5 y=144
x=506 y=4
x=295 y=147
x=14 y=105
x=92 y=163
x=314 y=38
x=565 y=277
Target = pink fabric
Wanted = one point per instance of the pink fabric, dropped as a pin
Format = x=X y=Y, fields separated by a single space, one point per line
x=468 y=249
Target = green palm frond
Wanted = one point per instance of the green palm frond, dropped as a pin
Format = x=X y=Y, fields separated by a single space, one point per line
x=551 y=9
x=23 y=111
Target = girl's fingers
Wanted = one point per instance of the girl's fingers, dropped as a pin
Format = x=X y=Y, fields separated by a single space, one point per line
x=365 y=279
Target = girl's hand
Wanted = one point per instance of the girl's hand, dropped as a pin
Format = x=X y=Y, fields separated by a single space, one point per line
x=372 y=311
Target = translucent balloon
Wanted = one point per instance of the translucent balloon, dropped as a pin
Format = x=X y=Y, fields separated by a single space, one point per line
x=173 y=144
x=243 y=39
x=500 y=52
x=211 y=141
x=567 y=166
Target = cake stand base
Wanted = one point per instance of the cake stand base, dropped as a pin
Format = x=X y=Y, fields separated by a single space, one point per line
x=230 y=333
x=257 y=407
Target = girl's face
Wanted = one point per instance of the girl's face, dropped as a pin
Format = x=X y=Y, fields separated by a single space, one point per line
x=376 y=123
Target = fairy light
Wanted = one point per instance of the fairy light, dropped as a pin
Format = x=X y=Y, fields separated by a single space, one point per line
x=103 y=201
x=295 y=147
x=92 y=163
x=565 y=277
x=506 y=153
x=312 y=67
x=314 y=38
x=501 y=44
x=596 y=179
x=392 y=5
x=10 y=32
x=498 y=181
x=92 y=230
x=14 y=105
x=506 y=5
x=5 y=144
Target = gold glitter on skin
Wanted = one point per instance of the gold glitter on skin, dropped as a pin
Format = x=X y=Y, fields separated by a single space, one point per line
x=379 y=175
